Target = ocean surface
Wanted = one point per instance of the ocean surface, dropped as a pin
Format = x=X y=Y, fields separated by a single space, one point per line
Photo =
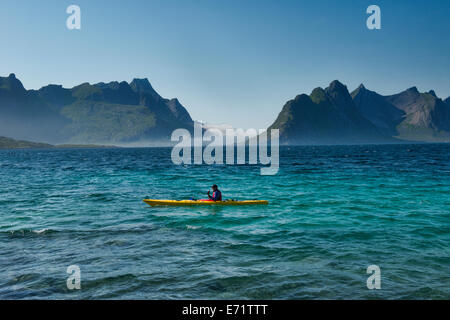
x=334 y=210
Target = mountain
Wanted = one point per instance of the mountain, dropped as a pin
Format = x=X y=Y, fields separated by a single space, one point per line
x=114 y=112
x=24 y=114
x=427 y=117
x=333 y=116
x=122 y=112
x=326 y=116
x=374 y=107
x=409 y=115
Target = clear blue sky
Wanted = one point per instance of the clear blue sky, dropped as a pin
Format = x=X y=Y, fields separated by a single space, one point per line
x=229 y=61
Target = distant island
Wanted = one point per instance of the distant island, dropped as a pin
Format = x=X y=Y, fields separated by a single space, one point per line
x=122 y=113
x=8 y=143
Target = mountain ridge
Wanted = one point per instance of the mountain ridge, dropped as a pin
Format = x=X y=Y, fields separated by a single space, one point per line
x=326 y=116
x=334 y=116
x=113 y=112
x=121 y=113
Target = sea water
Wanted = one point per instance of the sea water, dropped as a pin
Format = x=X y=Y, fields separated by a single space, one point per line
x=333 y=211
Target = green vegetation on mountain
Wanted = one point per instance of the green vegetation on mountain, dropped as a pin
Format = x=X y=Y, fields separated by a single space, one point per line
x=115 y=112
x=326 y=116
x=333 y=116
x=103 y=122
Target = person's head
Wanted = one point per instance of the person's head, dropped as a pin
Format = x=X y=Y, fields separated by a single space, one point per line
x=214 y=187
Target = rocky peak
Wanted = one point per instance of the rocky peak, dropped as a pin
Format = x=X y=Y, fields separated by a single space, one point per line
x=412 y=90
x=336 y=86
x=318 y=95
x=301 y=98
x=12 y=83
x=360 y=90
x=144 y=86
x=340 y=96
x=124 y=85
x=178 y=110
x=141 y=85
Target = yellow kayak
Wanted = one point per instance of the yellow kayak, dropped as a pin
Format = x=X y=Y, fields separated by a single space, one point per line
x=154 y=202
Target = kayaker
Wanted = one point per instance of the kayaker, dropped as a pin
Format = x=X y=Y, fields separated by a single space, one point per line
x=217 y=195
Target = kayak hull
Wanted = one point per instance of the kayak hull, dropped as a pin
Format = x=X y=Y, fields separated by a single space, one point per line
x=153 y=202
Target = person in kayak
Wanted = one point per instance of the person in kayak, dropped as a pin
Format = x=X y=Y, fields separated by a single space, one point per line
x=217 y=195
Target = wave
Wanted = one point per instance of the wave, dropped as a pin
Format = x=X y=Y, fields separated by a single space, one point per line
x=49 y=231
x=25 y=232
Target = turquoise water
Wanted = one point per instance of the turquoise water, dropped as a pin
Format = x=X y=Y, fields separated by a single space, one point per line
x=333 y=212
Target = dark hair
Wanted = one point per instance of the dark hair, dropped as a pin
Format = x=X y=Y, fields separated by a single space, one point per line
x=214 y=186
